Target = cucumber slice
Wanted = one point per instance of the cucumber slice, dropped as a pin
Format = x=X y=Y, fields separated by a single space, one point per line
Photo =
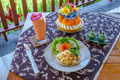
x=72 y=44
x=58 y=47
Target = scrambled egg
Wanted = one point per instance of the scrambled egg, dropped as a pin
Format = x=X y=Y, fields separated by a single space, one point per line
x=66 y=58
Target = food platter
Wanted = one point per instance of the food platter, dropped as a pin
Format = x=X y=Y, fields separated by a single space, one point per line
x=84 y=59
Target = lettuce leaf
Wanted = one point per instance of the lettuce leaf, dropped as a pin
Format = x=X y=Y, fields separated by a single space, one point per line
x=75 y=51
x=61 y=40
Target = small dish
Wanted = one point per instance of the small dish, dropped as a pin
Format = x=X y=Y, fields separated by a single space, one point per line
x=92 y=34
x=97 y=40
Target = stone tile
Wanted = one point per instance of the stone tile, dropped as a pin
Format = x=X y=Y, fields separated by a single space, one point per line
x=3 y=70
x=7 y=47
x=8 y=58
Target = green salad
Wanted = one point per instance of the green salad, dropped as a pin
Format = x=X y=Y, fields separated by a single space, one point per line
x=65 y=43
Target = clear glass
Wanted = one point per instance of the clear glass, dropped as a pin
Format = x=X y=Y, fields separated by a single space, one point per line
x=40 y=29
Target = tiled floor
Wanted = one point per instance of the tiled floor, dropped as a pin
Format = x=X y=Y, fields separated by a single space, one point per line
x=7 y=47
x=115 y=10
x=5 y=62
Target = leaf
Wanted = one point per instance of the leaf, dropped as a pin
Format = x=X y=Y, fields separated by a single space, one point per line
x=9 y=11
x=19 y=17
x=9 y=15
x=75 y=51
x=9 y=18
x=61 y=40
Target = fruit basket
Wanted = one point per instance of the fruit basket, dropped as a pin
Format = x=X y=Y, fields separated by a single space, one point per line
x=69 y=18
x=70 y=29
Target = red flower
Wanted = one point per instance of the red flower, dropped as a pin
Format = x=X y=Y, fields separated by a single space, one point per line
x=72 y=5
x=9 y=15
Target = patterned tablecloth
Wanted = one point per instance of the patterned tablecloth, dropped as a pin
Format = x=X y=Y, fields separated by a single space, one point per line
x=99 y=53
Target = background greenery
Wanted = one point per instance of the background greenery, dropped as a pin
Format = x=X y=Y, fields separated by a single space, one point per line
x=30 y=6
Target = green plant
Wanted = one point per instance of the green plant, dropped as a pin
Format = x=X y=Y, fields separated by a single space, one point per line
x=30 y=6
x=9 y=15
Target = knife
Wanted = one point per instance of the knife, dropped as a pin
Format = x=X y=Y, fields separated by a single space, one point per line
x=31 y=58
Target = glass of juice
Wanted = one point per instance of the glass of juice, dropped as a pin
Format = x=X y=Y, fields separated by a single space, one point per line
x=39 y=24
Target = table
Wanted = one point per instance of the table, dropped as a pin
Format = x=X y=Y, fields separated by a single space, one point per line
x=29 y=23
x=111 y=69
x=112 y=64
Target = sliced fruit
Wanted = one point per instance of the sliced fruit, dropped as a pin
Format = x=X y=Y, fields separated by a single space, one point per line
x=72 y=44
x=58 y=47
